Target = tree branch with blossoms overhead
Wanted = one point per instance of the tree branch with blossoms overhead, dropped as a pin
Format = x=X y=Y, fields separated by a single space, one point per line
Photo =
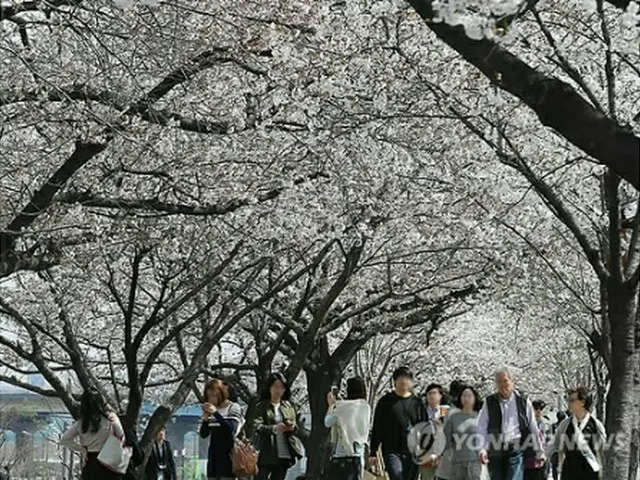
x=556 y=103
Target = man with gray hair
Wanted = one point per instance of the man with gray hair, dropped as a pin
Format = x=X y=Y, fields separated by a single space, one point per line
x=508 y=430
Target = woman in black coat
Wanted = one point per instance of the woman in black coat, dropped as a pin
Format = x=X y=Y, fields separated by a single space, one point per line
x=580 y=440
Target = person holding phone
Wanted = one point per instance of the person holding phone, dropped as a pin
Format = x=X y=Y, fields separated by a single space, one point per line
x=335 y=392
x=276 y=428
x=349 y=421
x=221 y=421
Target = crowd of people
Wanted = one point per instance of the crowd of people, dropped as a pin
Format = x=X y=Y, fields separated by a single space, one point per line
x=504 y=436
x=457 y=436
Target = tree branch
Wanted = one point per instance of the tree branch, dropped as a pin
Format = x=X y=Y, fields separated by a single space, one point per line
x=85 y=151
x=556 y=103
x=151 y=115
x=183 y=299
x=544 y=191
x=633 y=252
x=87 y=199
x=42 y=199
x=320 y=313
x=566 y=66
x=433 y=311
x=12 y=380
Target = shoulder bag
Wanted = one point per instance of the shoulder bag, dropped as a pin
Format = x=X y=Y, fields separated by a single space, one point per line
x=114 y=454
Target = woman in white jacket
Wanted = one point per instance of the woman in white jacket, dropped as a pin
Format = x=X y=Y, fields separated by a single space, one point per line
x=350 y=421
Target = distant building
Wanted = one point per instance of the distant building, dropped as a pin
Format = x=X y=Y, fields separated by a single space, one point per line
x=31 y=426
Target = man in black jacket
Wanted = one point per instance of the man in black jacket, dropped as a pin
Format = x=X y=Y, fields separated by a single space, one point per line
x=161 y=464
x=396 y=414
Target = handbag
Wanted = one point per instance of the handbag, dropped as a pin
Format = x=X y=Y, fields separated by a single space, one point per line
x=380 y=473
x=114 y=454
x=244 y=459
x=367 y=475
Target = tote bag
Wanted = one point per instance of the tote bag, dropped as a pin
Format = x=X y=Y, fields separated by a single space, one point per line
x=244 y=459
x=114 y=455
x=381 y=474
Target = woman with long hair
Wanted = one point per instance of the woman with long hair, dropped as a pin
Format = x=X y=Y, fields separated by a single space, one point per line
x=275 y=425
x=460 y=430
x=90 y=432
x=221 y=421
x=350 y=421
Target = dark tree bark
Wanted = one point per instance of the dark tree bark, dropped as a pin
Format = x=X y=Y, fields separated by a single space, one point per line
x=12 y=261
x=634 y=462
x=621 y=411
x=634 y=453
x=321 y=375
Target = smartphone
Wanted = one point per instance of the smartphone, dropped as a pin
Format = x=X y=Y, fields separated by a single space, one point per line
x=335 y=390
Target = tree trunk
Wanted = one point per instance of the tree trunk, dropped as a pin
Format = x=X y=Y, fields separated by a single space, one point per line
x=250 y=416
x=620 y=411
x=634 y=463
x=319 y=382
x=635 y=451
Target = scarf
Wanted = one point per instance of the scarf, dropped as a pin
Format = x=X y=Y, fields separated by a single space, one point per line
x=352 y=425
x=581 y=443
x=593 y=458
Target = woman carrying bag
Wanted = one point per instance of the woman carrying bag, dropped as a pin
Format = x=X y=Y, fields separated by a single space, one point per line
x=89 y=434
x=276 y=426
x=221 y=421
x=350 y=421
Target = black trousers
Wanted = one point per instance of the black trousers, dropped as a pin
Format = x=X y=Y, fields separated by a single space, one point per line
x=274 y=472
x=345 y=468
x=535 y=474
x=94 y=470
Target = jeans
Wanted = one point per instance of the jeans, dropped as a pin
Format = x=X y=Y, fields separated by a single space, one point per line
x=508 y=465
x=400 y=466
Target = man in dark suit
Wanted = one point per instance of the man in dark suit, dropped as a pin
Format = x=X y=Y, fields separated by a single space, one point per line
x=161 y=464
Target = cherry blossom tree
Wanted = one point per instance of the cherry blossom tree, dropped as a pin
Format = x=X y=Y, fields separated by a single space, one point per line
x=536 y=52
x=602 y=133
x=292 y=127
